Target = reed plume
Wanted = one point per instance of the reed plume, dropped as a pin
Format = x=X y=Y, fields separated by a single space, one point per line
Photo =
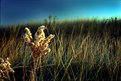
x=5 y=68
x=39 y=44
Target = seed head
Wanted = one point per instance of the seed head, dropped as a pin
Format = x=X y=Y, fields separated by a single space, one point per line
x=5 y=67
x=40 y=35
x=40 y=45
x=28 y=32
x=48 y=39
x=27 y=36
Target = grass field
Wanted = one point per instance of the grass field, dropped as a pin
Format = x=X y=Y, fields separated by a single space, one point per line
x=82 y=50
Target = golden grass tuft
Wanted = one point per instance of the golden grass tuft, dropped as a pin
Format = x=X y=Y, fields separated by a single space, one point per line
x=5 y=68
x=39 y=44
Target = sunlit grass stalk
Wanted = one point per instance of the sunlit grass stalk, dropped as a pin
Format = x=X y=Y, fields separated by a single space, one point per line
x=39 y=46
x=24 y=68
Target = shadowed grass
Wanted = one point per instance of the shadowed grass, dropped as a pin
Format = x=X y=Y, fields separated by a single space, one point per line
x=83 y=50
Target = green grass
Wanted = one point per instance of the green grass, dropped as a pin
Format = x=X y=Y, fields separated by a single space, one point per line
x=82 y=50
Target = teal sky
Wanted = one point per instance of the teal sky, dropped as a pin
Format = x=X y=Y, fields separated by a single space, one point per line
x=22 y=11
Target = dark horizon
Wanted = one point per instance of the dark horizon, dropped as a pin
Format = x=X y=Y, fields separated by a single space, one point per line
x=24 y=11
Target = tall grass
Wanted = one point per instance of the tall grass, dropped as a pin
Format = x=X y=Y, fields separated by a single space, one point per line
x=83 y=50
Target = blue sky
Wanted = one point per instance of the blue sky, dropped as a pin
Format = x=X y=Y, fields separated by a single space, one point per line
x=20 y=11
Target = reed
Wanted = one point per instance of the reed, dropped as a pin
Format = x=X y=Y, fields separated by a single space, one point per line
x=39 y=46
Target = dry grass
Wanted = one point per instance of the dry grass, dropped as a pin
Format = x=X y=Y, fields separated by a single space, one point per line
x=5 y=69
x=78 y=53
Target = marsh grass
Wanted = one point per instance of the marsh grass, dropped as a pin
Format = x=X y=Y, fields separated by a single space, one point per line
x=83 y=50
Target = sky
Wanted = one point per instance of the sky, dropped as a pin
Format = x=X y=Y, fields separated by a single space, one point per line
x=21 y=11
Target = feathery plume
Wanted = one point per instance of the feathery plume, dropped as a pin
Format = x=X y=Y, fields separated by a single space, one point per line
x=27 y=36
x=5 y=68
x=40 y=45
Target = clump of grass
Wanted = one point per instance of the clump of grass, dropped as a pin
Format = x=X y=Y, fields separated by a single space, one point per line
x=5 y=69
x=81 y=51
x=39 y=46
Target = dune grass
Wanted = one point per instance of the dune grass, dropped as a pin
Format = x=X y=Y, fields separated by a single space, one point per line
x=83 y=50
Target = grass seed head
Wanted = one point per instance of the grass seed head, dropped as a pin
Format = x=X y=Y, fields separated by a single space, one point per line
x=39 y=35
x=5 y=67
x=28 y=36
x=48 y=39
x=28 y=32
x=27 y=39
x=40 y=46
